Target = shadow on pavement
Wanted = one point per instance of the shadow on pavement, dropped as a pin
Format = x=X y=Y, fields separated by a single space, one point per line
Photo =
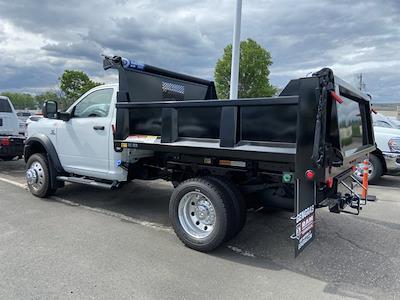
x=357 y=257
x=389 y=181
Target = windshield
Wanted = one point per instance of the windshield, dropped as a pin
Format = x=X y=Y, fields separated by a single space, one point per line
x=5 y=106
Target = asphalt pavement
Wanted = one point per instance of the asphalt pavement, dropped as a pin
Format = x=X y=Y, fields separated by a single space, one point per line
x=87 y=243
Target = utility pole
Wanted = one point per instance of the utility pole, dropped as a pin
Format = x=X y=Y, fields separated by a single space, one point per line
x=361 y=83
x=236 y=51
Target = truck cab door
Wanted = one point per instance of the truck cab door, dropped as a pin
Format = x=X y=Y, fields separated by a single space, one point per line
x=83 y=141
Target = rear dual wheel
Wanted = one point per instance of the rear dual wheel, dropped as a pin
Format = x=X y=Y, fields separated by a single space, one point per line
x=204 y=214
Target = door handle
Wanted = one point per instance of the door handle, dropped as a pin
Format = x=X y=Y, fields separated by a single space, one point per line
x=98 y=127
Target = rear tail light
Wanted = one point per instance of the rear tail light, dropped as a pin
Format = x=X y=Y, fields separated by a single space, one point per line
x=329 y=182
x=310 y=175
x=4 y=142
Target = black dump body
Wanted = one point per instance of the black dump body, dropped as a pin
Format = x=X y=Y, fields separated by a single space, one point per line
x=319 y=124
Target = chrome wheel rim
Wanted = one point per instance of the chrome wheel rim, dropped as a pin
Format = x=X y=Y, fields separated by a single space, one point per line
x=359 y=172
x=35 y=176
x=197 y=214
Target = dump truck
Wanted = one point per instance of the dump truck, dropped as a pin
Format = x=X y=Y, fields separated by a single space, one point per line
x=295 y=151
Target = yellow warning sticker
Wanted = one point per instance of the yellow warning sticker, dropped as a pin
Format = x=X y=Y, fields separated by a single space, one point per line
x=138 y=138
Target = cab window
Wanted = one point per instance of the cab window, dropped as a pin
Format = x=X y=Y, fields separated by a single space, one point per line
x=5 y=106
x=94 y=105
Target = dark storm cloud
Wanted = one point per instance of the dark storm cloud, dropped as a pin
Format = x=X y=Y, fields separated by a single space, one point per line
x=84 y=49
x=28 y=78
x=189 y=36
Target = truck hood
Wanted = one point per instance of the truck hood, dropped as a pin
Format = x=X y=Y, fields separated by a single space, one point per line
x=387 y=131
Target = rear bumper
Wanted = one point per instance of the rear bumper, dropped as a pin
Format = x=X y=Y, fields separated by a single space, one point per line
x=392 y=162
x=14 y=148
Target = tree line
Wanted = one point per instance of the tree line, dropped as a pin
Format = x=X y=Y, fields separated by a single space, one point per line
x=72 y=84
x=255 y=62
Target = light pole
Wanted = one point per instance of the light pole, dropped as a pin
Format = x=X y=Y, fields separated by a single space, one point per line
x=236 y=51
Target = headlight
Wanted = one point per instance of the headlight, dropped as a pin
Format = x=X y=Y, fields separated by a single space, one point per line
x=394 y=144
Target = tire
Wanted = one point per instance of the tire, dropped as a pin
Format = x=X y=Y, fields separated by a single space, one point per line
x=238 y=204
x=38 y=176
x=201 y=214
x=375 y=171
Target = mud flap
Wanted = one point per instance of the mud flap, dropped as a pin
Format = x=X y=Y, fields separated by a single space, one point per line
x=304 y=233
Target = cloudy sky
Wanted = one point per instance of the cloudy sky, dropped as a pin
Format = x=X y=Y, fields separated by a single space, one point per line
x=39 y=39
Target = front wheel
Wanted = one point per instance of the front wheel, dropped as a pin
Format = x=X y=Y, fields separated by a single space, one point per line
x=201 y=214
x=38 y=176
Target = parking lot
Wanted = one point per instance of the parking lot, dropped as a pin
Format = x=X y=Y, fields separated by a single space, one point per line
x=92 y=243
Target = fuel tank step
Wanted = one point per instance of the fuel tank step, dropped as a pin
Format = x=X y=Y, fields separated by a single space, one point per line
x=91 y=182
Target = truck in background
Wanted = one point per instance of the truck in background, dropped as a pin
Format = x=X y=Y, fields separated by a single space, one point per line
x=385 y=160
x=11 y=143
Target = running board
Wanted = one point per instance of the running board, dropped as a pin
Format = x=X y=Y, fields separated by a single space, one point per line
x=90 y=182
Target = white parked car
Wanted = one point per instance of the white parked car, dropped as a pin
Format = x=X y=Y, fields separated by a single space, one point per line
x=386 y=159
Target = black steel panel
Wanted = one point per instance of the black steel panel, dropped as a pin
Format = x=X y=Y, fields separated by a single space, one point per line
x=202 y=122
x=269 y=123
x=169 y=129
x=229 y=131
x=145 y=121
x=147 y=87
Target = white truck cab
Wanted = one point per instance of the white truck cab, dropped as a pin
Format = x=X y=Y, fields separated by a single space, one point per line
x=84 y=141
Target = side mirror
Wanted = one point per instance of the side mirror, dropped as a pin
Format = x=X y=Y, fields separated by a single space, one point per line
x=64 y=116
x=50 y=109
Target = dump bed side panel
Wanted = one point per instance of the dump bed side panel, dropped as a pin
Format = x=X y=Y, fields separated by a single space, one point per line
x=258 y=123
